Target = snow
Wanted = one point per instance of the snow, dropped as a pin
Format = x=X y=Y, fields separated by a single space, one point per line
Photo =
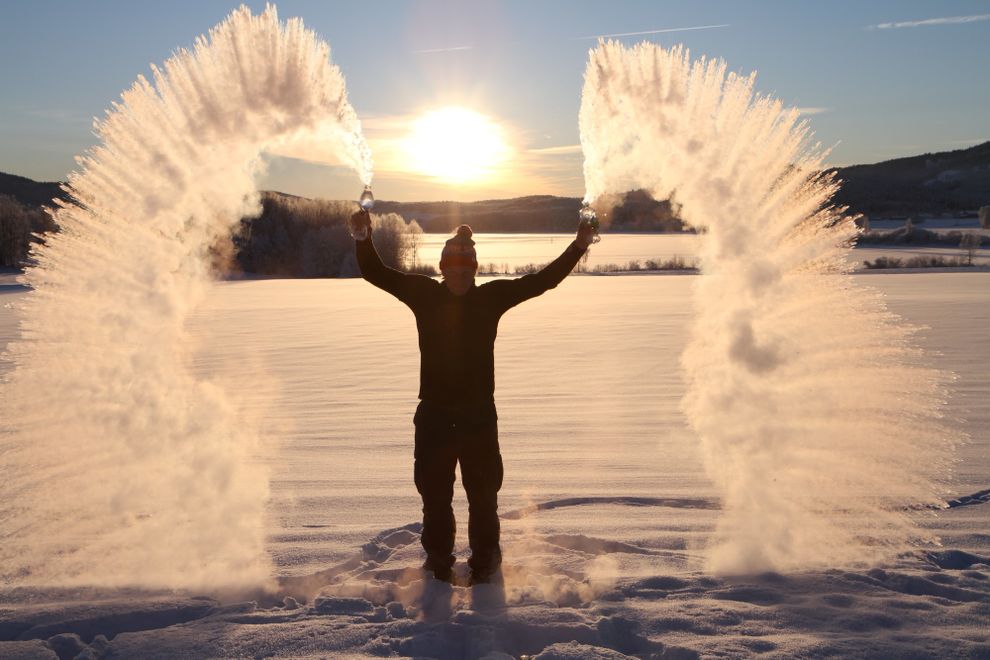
x=606 y=508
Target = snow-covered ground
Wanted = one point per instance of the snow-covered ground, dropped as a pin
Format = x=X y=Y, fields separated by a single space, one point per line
x=606 y=507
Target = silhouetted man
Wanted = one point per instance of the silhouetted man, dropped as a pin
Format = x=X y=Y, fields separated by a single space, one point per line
x=456 y=419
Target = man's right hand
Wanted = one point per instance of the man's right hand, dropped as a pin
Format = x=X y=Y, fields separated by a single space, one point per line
x=361 y=224
x=585 y=234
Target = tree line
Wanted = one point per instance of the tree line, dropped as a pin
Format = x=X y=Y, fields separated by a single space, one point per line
x=291 y=237
x=20 y=226
x=299 y=237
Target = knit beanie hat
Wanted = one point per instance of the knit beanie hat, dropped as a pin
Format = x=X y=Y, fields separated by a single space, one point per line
x=458 y=252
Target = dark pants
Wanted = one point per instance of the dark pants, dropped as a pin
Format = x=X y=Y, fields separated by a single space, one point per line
x=444 y=437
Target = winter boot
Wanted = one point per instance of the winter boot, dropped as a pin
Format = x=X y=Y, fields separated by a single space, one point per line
x=485 y=565
x=441 y=567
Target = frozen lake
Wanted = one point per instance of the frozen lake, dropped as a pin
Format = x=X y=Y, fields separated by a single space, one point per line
x=514 y=250
x=522 y=249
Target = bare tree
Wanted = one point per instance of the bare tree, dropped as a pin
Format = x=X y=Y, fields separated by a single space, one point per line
x=970 y=243
x=985 y=217
x=414 y=237
x=389 y=231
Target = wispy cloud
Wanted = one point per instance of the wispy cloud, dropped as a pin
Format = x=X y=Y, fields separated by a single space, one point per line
x=565 y=150
x=526 y=170
x=945 y=20
x=812 y=110
x=646 y=32
x=443 y=50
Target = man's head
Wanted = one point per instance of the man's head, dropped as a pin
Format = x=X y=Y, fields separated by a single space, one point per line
x=459 y=262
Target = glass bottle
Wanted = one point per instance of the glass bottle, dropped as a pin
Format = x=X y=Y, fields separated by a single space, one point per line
x=366 y=202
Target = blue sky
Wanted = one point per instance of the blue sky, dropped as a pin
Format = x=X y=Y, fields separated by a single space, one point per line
x=874 y=92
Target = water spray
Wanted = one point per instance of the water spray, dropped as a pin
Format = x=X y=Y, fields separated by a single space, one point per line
x=819 y=421
x=119 y=465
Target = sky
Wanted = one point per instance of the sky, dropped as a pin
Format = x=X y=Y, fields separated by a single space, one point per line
x=877 y=80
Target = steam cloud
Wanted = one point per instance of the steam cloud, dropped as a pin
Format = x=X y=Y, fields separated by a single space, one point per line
x=818 y=419
x=117 y=465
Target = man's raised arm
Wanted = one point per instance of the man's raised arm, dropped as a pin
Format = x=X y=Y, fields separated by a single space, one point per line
x=513 y=292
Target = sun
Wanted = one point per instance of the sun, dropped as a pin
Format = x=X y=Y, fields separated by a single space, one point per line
x=455 y=144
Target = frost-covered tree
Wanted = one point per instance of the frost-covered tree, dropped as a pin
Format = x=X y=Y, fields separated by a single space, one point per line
x=414 y=237
x=20 y=226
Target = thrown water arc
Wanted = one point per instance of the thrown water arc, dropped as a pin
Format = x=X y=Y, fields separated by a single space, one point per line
x=792 y=367
x=119 y=465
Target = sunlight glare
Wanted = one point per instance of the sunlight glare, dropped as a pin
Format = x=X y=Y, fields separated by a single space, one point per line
x=455 y=144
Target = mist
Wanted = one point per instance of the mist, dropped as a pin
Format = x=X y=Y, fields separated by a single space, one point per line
x=819 y=420
x=118 y=466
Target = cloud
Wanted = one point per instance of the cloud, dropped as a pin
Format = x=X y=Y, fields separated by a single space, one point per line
x=812 y=110
x=443 y=50
x=565 y=150
x=526 y=170
x=945 y=20
x=646 y=32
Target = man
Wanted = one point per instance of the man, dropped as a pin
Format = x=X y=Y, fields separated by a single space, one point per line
x=456 y=421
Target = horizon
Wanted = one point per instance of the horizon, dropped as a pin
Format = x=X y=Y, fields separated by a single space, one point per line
x=511 y=75
x=516 y=197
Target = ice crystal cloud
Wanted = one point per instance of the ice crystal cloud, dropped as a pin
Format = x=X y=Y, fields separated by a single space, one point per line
x=118 y=465
x=817 y=418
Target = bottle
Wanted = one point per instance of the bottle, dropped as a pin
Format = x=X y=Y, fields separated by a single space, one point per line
x=366 y=202
x=589 y=217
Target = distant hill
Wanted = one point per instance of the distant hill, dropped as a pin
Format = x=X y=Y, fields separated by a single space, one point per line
x=947 y=182
x=637 y=211
x=939 y=183
x=555 y=213
x=30 y=192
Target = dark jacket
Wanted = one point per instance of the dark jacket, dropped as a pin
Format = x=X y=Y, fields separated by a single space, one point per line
x=457 y=333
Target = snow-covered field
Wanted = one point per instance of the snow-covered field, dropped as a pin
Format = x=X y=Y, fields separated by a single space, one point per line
x=606 y=505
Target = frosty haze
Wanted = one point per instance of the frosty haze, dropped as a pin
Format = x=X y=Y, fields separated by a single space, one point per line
x=818 y=419
x=119 y=466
